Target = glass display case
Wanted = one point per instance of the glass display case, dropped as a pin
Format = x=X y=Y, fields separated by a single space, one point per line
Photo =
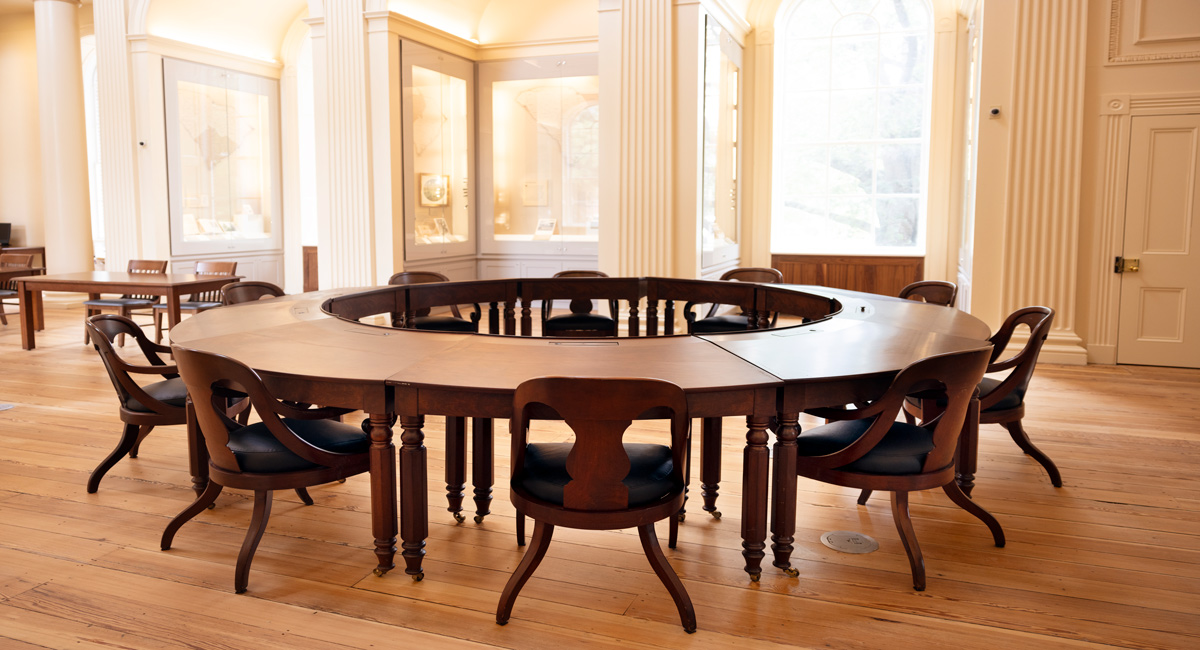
x=223 y=166
x=437 y=117
x=721 y=161
x=540 y=153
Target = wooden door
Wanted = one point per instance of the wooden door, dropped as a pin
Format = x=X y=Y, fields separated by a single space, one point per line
x=1160 y=303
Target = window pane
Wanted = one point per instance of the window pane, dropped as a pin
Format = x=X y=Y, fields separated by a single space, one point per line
x=855 y=216
x=903 y=59
x=895 y=16
x=897 y=221
x=851 y=6
x=856 y=25
x=805 y=169
x=812 y=18
x=852 y=114
x=855 y=62
x=851 y=167
x=902 y=112
x=808 y=61
x=809 y=117
x=898 y=168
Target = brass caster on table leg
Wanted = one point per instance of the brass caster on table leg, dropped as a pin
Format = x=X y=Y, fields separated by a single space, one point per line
x=754 y=577
x=459 y=518
x=417 y=577
x=211 y=506
x=681 y=516
x=341 y=480
x=716 y=514
x=479 y=519
x=792 y=572
x=379 y=573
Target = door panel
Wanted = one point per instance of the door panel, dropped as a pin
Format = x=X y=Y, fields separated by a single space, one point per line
x=1160 y=304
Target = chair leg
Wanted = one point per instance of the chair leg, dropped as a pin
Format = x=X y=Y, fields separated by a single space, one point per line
x=520 y=528
x=1022 y=439
x=303 y=494
x=202 y=502
x=129 y=439
x=672 y=531
x=3 y=318
x=963 y=501
x=909 y=537
x=658 y=561
x=542 y=532
x=863 y=496
x=258 y=524
x=143 y=431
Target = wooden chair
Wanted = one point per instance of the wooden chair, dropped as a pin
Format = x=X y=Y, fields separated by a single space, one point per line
x=291 y=448
x=8 y=288
x=126 y=304
x=867 y=448
x=712 y=323
x=581 y=322
x=249 y=291
x=197 y=302
x=598 y=482
x=423 y=321
x=934 y=292
x=1002 y=401
x=142 y=407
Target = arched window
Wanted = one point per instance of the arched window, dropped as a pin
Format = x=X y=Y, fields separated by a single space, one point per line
x=852 y=127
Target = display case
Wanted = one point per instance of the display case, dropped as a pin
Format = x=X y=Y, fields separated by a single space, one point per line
x=539 y=147
x=721 y=157
x=437 y=114
x=223 y=167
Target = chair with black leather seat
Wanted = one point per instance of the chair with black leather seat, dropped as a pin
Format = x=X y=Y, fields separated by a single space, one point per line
x=582 y=321
x=423 y=321
x=292 y=448
x=867 y=448
x=8 y=288
x=249 y=291
x=934 y=292
x=142 y=407
x=1002 y=401
x=712 y=322
x=598 y=482
x=197 y=302
x=126 y=304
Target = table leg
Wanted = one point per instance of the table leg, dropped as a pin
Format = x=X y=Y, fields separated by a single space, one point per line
x=482 y=471
x=173 y=315
x=414 y=504
x=197 y=451
x=39 y=313
x=783 y=492
x=28 y=322
x=755 y=479
x=710 y=463
x=383 y=490
x=968 y=447
x=456 y=465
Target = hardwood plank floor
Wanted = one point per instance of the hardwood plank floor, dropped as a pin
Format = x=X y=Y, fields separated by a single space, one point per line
x=1112 y=559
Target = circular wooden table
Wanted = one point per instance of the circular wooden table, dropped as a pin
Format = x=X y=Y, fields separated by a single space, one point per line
x=850 y=353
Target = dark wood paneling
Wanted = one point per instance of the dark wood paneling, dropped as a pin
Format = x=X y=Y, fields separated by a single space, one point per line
x=882 y=275
x=310 y=268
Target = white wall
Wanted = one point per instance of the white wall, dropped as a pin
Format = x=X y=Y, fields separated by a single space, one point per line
x=20 y=152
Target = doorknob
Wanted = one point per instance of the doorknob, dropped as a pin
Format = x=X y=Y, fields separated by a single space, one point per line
x=1126 y=265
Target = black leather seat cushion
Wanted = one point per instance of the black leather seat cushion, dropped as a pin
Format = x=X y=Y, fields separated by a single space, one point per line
x=444 y=324
x=120 y=302
x=545 y=472
x=578 y=322
x=724 y=323
x=1010 y=401
x=902 y=450
x=258 y=451
x=169 y=391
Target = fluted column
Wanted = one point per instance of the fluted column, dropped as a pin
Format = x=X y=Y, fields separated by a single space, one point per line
x=117 y=146
x=345 y=219
x=63 y=137
x=1046 y=143
x=637 y=177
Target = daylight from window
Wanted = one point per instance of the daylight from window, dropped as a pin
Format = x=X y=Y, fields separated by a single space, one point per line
x=853 y=80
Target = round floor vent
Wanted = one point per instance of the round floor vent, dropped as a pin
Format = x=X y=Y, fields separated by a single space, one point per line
x=849 y=542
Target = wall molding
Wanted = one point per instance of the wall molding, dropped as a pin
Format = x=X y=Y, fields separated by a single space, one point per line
x=1120 y=43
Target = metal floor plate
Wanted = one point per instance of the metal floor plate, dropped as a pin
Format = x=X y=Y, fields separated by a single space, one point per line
x=849 y=542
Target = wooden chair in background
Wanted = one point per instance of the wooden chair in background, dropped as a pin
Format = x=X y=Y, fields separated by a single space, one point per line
x=934 y=292
x=867 y=448
x=713 y=322
x=126 y=304
x=142 y=407
x=292 y=448
x=423 y=321
x=197 y=302
x=598 y=482
x=8 y=288
x=249 y=291
x=582 y=321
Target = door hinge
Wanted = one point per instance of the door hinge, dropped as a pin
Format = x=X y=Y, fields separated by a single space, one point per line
x=1126 y=265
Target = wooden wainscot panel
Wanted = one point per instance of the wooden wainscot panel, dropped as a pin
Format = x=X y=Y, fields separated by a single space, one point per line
x=882 y=275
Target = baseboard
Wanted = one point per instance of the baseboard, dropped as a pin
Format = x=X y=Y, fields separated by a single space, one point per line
x=1102 y=354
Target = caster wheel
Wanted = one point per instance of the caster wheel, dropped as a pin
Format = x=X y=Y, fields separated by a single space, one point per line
x=417 y=577
x=479 y=519
x=379 y=573
x=754 y=577
x=681 y=517
x=716 y=514
x=792 y=572
x=459 y=518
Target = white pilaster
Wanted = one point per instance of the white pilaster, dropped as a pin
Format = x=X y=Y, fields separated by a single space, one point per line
x=63 y=137
x=1042 y=221
x=117 y=143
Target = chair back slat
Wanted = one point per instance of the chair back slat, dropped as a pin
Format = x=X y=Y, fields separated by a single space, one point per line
x=104 y=329
x=212 y=269
x=1039 y=321
x=146 y=266
x=14 y=261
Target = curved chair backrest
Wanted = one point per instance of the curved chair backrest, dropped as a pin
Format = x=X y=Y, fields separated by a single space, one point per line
x=934 y=292
x=15 y=260
x=952 y=376
x=580 y=305
x=760 y=274
x=104 y=329
x=146 y=266
x=422 y=277
x=209 y=268
x=599 y=411
x=213 y=380
x=249 y=291
x=1039 y=321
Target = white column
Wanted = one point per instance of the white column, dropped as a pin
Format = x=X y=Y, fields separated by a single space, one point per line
x=63 y=137
x=117 y=143
x=1046 y=144
x=637 y=105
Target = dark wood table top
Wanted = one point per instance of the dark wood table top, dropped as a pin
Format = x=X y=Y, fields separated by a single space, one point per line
x=120 y=281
